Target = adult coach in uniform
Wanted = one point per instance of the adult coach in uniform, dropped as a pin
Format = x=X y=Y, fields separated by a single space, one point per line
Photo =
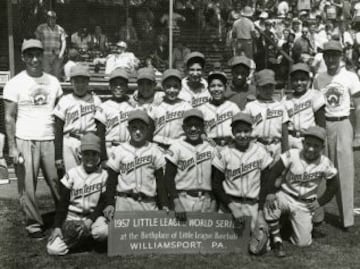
x=30 y=98
x=338 y=85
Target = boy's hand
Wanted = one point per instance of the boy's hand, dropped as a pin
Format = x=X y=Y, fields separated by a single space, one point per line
x=313 y=205
x=180 y=213
x=88 y=223
x=55 y=233
x=271 y=202
x=109 y=212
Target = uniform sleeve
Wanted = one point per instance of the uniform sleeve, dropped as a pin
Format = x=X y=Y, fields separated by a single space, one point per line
x=114 y=159
x=318 y=100
x=99 y=111
x=11 y=92
x=331 y=171
x=67 y=181
x=355 y=84
x=266 y=159
x=286 y=158
x=60 y=109
x=158 y=158
x=219 y=161
x=173 y=154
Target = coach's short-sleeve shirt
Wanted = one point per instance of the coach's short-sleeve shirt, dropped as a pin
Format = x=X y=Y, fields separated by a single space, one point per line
x=35 y=98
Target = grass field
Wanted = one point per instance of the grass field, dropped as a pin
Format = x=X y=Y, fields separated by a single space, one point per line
x=337 y=250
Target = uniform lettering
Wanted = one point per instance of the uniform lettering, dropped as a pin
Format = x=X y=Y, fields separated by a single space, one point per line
x=189 y=163
x=219 y=119
x=305 y=177
x=126 y=168
x=87 y=190
x=242 y=170
x=170 y=116
x=257 y=119
x=273 y=113
x=87 y=109
x=72 y=116
x=199 y=101
x=299 y=107
x=111 y=123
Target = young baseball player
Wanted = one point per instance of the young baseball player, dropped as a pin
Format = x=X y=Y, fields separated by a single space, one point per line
x=168 y=115
x=270 y=116
x=79 y=211
x=74 y=116
x=194 y=86
x=218 y=112
x=305 y=106
x=297 y=193
x=188 y=168
x=116 y=110
x=136 y=171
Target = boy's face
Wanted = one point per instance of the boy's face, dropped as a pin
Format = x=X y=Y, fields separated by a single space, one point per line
x=193 y=128
x=195 y=72
x=146 y=88
x=240 y=74
x=266 y=91
x=90 y=160
x=138 y=131
x=332 y=60
x=172 y=87
x=33 y=58
x=312 y=148
x=242 y=133
x=80 y=85
x=217 y=89
x=300 y=82
x=118 y=87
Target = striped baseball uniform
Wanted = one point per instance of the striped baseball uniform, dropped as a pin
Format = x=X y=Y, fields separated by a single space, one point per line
x=268 y=120
x=218 y=118
x=195 y=99
x=78 y=115
x=242 y=172
x=301 y=112
x=136 y=168
x=193 y=172
x=301 y=180
x=168 y=121
x=116 y=115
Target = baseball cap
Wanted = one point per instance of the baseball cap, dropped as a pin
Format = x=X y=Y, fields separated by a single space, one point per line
x=51 y=13
x=193 y=113
x=119 y=73
x=332 y=45
x=195 y=57
x=31 y=44
x=241 y=117
x=219 y=75
x=264 y=15
x=315 y=131
x=171 y=73
x=121 y=44
x=265 y=76
x=300 y=67
x=146 y=73
x=90 y=141
x=236 y=60
x=247 y=11
x=138 y=115
x=79 y=70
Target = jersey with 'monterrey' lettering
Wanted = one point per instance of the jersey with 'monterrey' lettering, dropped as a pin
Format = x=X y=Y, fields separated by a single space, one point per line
x=242 y=170
x=193 y=164
x=268 y=118
x=136 y=167
x=302 y=179
x=195 y=99
x=78 y=113
x=85 y=189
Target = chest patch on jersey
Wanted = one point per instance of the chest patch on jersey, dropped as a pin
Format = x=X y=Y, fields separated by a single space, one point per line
x=190 y=163
x=305 y=177
x=243 y=170
x=86 y=190
x=126 y=168
x=334 y=94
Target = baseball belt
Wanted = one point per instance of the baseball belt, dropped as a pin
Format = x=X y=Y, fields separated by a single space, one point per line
x=223 y=140
x=300 y=199
x=336 y=118
x=137 y=196
x=196 y=193
x=295 y=133
x=268 y=140
x=246 y=200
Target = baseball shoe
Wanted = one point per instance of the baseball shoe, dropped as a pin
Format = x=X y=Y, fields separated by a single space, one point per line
x=39 y=235
x=279 y=250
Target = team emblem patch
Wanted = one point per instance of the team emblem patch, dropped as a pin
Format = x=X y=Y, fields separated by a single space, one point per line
x=333 y=94
x=39 y=95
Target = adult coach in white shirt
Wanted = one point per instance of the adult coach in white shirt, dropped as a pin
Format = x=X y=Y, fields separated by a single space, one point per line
x=338 y=86
x=30 y=98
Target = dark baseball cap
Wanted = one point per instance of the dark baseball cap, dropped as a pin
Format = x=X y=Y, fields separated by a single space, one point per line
x=241 y=117
x=315 y=131
x=300 y=67
x=219 y=75
x=237 y=60
x=195 y=57
x=79 y=70
x=146 y=73
x=265 y=76
x=171 y=73
x=138 y=115
x=332 y=45
x=193 y=113
x=119 y=73
x=90 y=141
x=31 y=44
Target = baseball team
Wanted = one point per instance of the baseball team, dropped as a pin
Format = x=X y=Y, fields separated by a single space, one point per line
x=198 y=145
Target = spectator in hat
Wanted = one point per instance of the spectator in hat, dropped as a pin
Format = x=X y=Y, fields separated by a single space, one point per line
x=53 y=39
x=243 y=32
x=121 y=58
x=283 y=9
x=303 y=45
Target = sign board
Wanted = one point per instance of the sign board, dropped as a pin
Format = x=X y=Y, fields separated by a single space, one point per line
x=149 y=232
